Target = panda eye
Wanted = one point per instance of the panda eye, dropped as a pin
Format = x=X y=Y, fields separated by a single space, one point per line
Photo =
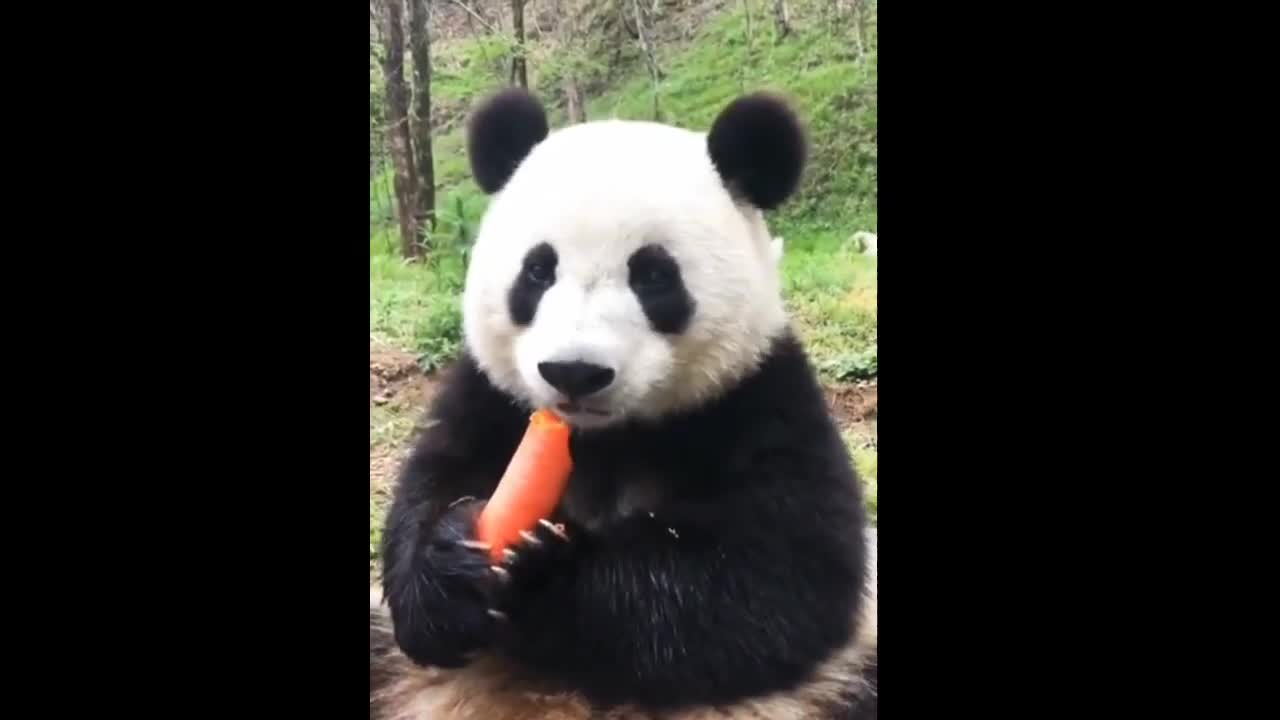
x=653 y=271
x=540 y=273
x=655 y=278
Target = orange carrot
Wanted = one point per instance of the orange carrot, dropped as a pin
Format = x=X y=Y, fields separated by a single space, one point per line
x=532 y=485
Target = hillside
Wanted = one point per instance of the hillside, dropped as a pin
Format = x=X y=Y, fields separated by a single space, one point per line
x=709 y=52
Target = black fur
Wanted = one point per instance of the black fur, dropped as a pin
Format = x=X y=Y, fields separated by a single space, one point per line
x=736 y=582
x=654 y=277
x=759 y=149
x=436 y=597
x=502 y=131
x=528 y=569
x=536 y=275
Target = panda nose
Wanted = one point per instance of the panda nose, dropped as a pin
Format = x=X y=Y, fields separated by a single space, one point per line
x=576 y=379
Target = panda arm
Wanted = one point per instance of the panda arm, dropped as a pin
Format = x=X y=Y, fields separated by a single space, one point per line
x=708 y=600
x=433 y=583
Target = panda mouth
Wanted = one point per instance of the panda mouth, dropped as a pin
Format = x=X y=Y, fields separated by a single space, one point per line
x=574 y=408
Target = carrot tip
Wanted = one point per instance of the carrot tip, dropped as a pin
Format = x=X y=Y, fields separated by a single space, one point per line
x=547 y=418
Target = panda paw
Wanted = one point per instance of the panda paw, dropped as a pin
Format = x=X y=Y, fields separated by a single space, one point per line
x=529 y=564
x=440 y=606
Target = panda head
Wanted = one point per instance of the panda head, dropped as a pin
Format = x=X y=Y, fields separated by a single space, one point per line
x=624 y=270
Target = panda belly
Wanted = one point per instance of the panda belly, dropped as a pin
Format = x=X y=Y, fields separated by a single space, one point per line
x=844 y=687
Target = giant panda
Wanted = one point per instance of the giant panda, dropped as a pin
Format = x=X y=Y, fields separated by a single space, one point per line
x=711 y=557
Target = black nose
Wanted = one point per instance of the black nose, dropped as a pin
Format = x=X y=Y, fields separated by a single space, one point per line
x=576 y=379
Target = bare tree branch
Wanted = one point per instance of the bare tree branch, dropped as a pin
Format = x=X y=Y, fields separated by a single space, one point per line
x=473 y=14
x=519 y=67
x=781 y=16
x=646 y=43
x=860 y=23
x=566 y=30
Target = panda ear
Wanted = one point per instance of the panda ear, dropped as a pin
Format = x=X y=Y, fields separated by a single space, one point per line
x=759 y=149
x=501 y=132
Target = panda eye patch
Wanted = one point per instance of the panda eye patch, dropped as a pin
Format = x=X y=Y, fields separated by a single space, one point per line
x=652 y=270
x=654 y=276
x=540 y=265
x=540 y=273
x=537 y=274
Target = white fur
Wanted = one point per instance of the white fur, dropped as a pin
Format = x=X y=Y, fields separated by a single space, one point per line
x=597 y=192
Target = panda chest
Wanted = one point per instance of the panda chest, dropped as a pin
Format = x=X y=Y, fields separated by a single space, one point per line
x=606 y=491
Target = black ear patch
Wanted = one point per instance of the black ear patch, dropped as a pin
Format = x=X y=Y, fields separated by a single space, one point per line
x=501 y=132
x=759 y=149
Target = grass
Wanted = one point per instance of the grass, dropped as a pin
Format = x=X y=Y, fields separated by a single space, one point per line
x=831 y=292
x=377 y=514
x=418 y=305
x=865 y=460
x=817 y=68
x=831 y=289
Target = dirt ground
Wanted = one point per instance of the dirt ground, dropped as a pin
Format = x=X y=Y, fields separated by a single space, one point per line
x=399 y=393
x=398 y=396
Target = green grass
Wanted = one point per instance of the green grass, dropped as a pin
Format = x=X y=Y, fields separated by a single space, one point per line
x=418 y=305
x=831 y=292
x=817 y=68
x=377 y=515
x=865 y=460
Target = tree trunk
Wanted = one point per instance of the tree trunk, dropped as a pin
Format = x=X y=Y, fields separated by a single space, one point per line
x=398 y=129
x=860 y=21
x=471 y=23
x=780 y=17
x=646 y=43
x=519 y=72
x=420 y=39
x=858 y=38
x=571 y=46
x=573 y=101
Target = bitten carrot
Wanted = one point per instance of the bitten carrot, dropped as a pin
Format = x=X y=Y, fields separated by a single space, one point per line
x=532 y=485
